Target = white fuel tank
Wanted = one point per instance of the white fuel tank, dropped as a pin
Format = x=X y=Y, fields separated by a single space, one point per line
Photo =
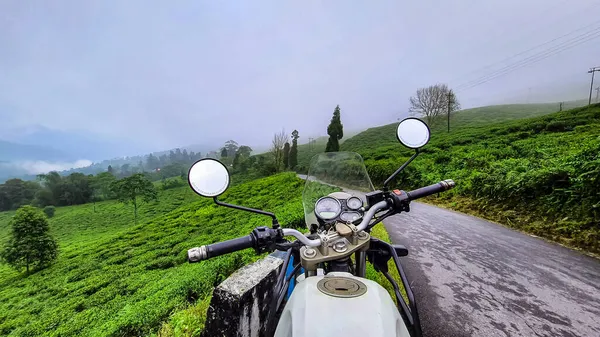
x=316 y=309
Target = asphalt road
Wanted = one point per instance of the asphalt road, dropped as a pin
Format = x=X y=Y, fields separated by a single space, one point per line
x=475 y=278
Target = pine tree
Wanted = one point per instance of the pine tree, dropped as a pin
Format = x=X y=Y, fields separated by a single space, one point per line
x=286 y=155
x=335 y=130
x=293 y=161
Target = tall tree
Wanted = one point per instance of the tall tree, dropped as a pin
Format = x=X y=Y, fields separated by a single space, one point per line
x=432 y=103
x=224 y=153
x=125 y=170
x=335 y=130
x=135 y=189
x=18 y=192
x=231 y=146
x=29 y=244
x=277 y=145
x=185 y=156
x=110 y=169
x=152 y=163
x=164 y=160
x=101 y=185
x=240 y=162
x=286 y=155
x=76 y=190
x=293 y=161
x=53 y=182
x=140 y=167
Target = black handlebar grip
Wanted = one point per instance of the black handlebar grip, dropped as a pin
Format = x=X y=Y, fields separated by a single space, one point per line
x=216 y=249
x=431 y=189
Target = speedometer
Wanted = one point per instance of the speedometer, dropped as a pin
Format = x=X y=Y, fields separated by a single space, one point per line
x=350 y=216
x=354 y=203
x=328 y=208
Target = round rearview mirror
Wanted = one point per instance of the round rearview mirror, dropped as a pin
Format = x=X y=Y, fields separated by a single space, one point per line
x=413 y=133
x=208 y=177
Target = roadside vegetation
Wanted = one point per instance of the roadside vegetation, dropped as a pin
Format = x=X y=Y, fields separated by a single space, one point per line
x=539 y=175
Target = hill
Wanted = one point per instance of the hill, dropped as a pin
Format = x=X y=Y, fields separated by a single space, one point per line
x=113 y=278
x=537 y=174
x=494 y=114
x=116 y=279
x=506 y=112
x=10 y=151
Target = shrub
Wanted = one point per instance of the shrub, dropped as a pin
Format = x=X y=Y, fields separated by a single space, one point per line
x=49 y=211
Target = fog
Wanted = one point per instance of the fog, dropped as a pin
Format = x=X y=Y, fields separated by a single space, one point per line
x=153 y=75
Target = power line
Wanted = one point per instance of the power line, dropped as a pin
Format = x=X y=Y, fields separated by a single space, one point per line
x=533 y=48
x=532 y=59
x=535 y=57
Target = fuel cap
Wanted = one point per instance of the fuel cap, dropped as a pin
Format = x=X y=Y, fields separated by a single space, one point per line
x=341 y=287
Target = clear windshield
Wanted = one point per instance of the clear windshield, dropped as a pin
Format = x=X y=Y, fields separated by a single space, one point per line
x=334 y=172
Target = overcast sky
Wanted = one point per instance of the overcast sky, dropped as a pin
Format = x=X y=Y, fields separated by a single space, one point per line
x=173 y=73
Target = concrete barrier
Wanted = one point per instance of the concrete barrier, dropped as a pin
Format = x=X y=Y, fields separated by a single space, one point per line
x=240 y=304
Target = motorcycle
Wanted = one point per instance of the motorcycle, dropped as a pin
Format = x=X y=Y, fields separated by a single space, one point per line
x=325 y=268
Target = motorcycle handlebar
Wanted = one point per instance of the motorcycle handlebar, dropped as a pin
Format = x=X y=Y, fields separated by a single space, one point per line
x=249 y=241
x=197 y=254
x=431 y=189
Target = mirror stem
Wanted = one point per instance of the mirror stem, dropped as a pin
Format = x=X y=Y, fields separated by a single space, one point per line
x=247 y=209
x=388 y=180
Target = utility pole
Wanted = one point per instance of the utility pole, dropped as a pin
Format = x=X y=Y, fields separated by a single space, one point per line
x=450 y=101
x=592 y=71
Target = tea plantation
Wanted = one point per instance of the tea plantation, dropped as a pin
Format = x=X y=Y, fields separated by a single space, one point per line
x=540 y=175
x=116 y=279
x=113 y=279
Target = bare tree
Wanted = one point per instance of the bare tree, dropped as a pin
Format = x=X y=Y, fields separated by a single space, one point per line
x=433 y=102
x=277 y=145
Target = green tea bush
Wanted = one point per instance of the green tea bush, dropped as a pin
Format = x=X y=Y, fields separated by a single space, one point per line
x=116 y=279
x=543 y=169
x=49 y=211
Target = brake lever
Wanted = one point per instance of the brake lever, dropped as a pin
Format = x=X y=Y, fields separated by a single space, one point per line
x=284 y=246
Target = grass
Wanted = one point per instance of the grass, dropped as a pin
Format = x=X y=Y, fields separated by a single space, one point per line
x=115 y=279
x=503 y=113
x=538 y=175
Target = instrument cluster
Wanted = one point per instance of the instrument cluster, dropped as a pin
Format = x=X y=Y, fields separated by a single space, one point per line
x=329 y=209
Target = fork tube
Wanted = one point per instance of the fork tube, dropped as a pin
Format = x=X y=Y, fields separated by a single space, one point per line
x=360 y=258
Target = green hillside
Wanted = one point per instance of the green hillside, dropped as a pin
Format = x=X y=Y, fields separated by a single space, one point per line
x=507 y=112
x=468 y=118
x=116 y=279
x=539 y=174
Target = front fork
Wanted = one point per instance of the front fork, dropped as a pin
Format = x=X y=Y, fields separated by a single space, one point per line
x=361 y=263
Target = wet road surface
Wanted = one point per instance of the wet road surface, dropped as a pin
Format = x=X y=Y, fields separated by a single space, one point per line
x=475 y=278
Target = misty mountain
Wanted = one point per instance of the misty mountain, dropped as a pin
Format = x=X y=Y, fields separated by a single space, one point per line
x=10 y=151
x=81 y=146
